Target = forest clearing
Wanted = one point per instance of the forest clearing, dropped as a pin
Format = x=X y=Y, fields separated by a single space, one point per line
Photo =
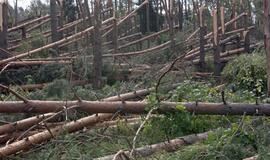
x=135 y=79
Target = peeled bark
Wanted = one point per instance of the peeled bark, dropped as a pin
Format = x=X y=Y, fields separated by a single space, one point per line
x=169 y=146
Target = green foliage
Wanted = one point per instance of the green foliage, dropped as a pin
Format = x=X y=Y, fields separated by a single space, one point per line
x=247 y=72
x=38 y=40
x=190 y=91
x=50 y=72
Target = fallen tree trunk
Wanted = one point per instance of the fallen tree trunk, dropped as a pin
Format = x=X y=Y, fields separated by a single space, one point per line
x=69 y=127
x=35 y=106
x=23 y=124
x=155 y=48
x=28 y=23
x=82 y=33
x=30 y=87
x=35 y=63
x=169 y=146
x=252 y=158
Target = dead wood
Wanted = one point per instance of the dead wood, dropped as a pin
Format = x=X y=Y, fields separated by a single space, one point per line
x=169 y=146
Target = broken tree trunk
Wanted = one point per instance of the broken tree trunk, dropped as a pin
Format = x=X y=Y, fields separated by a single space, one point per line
x=69 y=127
x=67 y=39
x=216 y=46
x=203 y=30
x=169 y=146
x=28 y=23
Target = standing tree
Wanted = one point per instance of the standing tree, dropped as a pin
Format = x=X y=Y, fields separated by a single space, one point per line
x=54 y=24
x=3 y=28
x=97 y=47
x=16 y=11
x=267 y=39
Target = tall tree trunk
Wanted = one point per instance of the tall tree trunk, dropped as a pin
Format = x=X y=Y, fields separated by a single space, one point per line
x=16 y=12
x=54 y=24
x=97 y=64
x=170 y=22
x=267 y=38
x=203 y=30
x=61 y=17
x=3 y=28
x=181 y=16
x=216 y=46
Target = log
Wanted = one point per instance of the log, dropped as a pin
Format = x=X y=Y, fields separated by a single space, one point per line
x=69 y=127
x=28 y=23
x=35 y=63
x=30 y=87
x=23 y=124
x=36 y=106
x=49 y=134
x=131 y=14
x=170 y=146
x=155 y=48
x=144 y=38
x=79 y=34
x=252 y=158
x=13 y=136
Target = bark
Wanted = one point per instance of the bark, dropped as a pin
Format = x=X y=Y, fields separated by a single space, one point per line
x=216 y=46
x=26 y=24
x=16 y=12
x=3 y=28
x=69 y=127
x=54 y=25
x=23 y=124
x=131 y=14
x=203 y=30
x=180 y=14
x=30 y=87
x=35 y=51
x=36 y=106
x=169 y=146
x=97 y=47
x=267 y=39
x=149 y=50
x=252 y=158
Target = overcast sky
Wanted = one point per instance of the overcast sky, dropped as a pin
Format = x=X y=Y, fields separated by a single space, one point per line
x=23 y=3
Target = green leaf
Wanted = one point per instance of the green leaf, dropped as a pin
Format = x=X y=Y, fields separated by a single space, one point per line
x=180 y=107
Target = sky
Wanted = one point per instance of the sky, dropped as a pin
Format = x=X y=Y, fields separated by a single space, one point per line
x=23 y=3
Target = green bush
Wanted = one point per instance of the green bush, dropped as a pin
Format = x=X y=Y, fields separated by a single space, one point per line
x=247 y=72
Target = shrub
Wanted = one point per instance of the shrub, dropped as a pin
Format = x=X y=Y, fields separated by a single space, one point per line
x=247 y=72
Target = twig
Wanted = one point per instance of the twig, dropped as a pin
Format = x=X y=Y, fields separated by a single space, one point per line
x=164 y=74
x=139 y=130
x=45 y=120
x=25 y=100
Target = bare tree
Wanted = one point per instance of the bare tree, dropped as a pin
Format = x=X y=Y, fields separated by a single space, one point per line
x=267 y=38
x=3 y=28
x=97 y=47
x=54 y=24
